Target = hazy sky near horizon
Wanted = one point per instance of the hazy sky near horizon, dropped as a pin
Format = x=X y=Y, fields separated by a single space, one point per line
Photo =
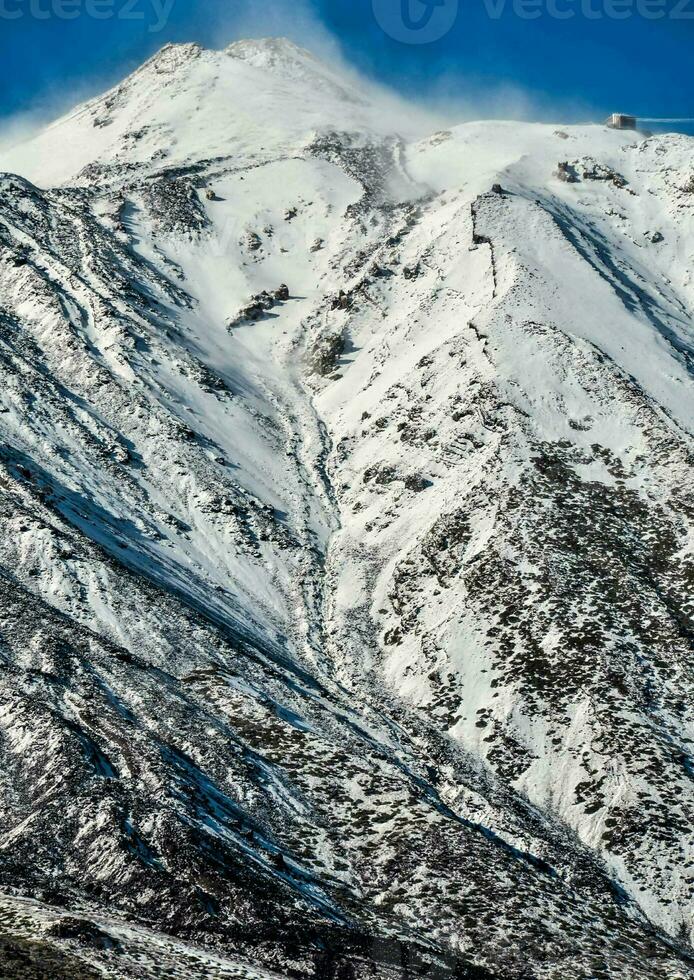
x=569 y=60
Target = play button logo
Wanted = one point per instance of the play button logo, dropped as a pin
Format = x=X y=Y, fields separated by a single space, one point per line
x=415 y=21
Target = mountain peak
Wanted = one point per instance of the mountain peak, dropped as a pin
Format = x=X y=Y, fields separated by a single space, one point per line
x=283 y=57
x=271 y=52
x=188 y=102
x=172 y=56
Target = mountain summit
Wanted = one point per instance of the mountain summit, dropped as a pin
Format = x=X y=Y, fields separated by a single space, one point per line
x=251 y=102
x=346 y=553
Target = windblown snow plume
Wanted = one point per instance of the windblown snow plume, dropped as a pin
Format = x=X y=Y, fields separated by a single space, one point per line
x=347 y=556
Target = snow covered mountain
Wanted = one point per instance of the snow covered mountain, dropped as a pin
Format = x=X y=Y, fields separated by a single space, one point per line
x=347 y=555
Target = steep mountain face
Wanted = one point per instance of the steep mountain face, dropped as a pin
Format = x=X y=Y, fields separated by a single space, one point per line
x=347 y=551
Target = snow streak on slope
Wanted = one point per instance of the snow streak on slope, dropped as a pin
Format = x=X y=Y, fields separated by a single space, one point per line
x=346 y=562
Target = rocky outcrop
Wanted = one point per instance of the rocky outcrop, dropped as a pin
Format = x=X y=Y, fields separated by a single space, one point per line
x=260 y=306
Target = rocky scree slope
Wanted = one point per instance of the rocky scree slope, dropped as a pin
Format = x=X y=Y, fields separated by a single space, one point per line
x=346 y=553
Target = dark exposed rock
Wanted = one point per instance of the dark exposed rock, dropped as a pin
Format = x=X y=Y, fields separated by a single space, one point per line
x=567 y=172
x=252 y=241
x=343 y=301
x=325 y=352
x=82 y=931
x=260 y=306
x=598 y=171
x=380 y=271
x=417 y=482
x=173 y=205
x=412 y=272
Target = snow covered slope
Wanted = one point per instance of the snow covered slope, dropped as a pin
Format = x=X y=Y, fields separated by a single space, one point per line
x=347 y=551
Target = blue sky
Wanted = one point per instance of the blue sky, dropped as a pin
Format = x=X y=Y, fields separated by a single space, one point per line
x=495 y=57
